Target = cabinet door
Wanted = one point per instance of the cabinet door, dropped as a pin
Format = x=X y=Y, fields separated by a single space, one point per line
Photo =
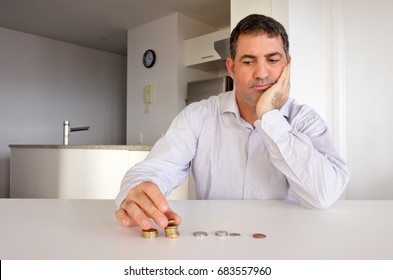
x=200 y=50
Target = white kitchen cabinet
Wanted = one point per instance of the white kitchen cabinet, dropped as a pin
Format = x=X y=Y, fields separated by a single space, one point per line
x=74 y=172
x=200 y=52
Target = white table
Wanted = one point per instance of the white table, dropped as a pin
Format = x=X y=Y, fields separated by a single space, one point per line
x=86 y=229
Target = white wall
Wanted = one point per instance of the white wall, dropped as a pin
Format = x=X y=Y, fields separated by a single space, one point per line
x=341 y=66
x=242 y=8
x=369 y=97
x=44 y=82
x=168 y=76
x=341 y=52
x=309 y=51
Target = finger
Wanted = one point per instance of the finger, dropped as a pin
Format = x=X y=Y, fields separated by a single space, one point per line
x=283 y=86
x=135 y=214
x=285 y=74
x=156 y=196
x=173 y=216
x=147 y=198
x=288 y=73
x=287 y=84
x=123 y=218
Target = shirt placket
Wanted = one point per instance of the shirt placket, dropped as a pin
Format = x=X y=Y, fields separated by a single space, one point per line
x=251 y=165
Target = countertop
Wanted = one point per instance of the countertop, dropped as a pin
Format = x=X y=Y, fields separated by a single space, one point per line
x=87 y=229
x=91 y=147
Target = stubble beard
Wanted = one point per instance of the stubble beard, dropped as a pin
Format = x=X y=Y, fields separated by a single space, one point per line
x=255 y=93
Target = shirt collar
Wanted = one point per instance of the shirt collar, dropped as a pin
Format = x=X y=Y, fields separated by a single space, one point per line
x=229 y=104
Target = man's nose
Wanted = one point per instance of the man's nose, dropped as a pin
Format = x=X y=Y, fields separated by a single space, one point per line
x=261 y=71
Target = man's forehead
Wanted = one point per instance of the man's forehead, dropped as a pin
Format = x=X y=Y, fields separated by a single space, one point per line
x=245 y=36
x=268 y=43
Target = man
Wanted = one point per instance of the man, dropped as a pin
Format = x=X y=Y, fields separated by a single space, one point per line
x=252 y=143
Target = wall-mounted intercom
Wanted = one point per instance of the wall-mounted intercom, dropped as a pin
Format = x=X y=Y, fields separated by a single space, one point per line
x=148 y=94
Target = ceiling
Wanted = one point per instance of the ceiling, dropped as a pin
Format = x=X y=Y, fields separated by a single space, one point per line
x=102 y=24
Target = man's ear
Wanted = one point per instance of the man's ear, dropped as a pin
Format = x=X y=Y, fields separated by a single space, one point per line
x=230 y=64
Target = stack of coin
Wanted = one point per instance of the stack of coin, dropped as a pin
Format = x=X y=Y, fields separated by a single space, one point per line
x=171 y=231
x=149 y=233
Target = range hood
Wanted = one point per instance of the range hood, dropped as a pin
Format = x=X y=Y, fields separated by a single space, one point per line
x=222 y=48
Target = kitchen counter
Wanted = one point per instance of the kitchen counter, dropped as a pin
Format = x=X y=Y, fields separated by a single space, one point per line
x=93 y=147
x=75 y=171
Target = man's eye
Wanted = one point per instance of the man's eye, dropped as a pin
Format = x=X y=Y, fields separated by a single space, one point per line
x=273 y=61
x=247 y=62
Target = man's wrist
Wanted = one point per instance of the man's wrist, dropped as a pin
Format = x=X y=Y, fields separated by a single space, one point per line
x=274 y=124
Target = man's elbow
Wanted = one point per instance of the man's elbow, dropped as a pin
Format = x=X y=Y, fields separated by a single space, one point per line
x=323 y=202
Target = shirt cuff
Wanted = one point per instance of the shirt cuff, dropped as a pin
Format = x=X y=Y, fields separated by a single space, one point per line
x=273 y=124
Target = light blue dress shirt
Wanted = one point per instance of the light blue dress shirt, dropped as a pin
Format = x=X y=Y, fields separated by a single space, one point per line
x=289 y=155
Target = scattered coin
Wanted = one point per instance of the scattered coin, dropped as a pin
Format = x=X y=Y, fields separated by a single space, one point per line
x=221 y=233
x=149 y=233
x=234 y=234
x=259 y=235
x=200 y=234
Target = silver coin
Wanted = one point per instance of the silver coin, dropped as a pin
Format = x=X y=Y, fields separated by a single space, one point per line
x=234 y=234
x=200 y=234
x=221 y=233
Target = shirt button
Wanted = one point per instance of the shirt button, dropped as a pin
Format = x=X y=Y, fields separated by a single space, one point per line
x=291 y=159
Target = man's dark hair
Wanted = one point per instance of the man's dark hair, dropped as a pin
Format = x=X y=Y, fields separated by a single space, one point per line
x=258 y=24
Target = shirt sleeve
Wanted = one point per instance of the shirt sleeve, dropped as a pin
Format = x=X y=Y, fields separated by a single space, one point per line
x=168 y=163
x=301 y=148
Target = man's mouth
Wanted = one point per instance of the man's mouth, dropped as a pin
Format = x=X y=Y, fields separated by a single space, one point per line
x=262 y=87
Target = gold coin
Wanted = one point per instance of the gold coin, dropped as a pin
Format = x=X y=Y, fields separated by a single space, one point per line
x=171 y=227
x=259 y=235
x=149 y=233
x=171 y=222
x=171 y=232
x=172 y=235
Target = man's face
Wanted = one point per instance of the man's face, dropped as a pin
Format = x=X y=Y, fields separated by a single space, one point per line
x=258 y=64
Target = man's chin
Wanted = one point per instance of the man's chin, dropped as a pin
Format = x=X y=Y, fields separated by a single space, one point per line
x=258 y=92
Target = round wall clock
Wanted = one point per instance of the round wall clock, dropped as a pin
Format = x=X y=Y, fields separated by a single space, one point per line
x=149 y=58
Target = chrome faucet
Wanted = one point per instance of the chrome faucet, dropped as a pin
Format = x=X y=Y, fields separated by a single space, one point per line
x=67 y=130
